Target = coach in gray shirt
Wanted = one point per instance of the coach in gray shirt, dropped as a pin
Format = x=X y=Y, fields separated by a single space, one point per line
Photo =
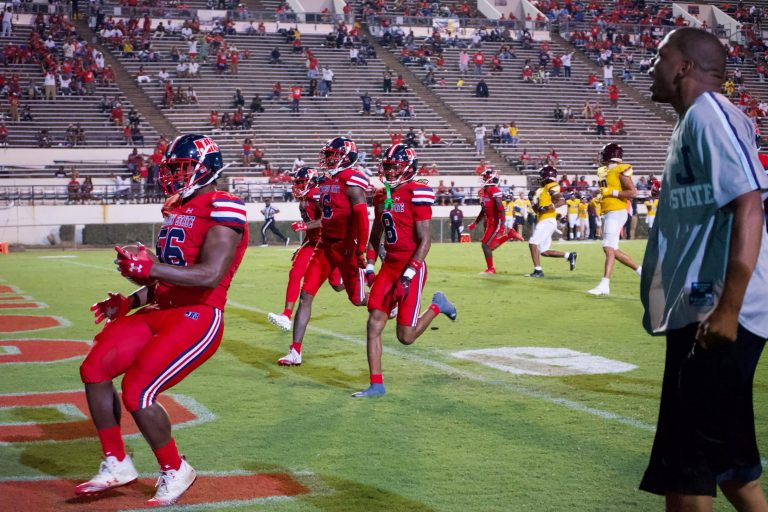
x=705 y=284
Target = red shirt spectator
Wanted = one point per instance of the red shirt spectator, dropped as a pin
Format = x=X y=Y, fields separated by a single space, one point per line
x=480 y=169
x=599 y=119
x=395 y=138
x=478 y=58
x=296 y=93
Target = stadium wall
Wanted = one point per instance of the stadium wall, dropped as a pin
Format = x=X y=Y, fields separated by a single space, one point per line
x=42 y=225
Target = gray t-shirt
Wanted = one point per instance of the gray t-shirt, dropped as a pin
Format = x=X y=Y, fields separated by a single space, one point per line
x=711 y=160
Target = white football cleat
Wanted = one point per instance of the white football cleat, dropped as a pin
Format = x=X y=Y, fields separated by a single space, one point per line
x=281 y=321
x=112 y=473
x=600 y=290
x=292 y=358
x=172 y=484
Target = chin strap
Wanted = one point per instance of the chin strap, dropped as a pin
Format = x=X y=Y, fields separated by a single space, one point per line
x=214 y=177
x=388 y=202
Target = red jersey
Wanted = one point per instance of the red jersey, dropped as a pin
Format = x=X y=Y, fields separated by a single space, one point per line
x=488 y=203
x=412 y=202
x=181 y=238
x=337 y=220
x=309 y=208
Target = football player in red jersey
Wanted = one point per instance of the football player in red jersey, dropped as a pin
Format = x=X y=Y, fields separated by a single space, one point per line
x=403 y=210
x=179 y=324
x=492 y=210
x=343 y=236
x=307 y=192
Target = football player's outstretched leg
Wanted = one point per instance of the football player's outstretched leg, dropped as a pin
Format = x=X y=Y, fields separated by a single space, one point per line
x=306 y=190
x=403 y=210
x=616 y=190
x=545 y=201
x=493 y=213
x=179 y=322
x=343 y=236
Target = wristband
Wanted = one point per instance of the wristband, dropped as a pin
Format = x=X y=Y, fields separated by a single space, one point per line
x=370 y=268
x=615 y=193
x=409 y=273
x=413 y=267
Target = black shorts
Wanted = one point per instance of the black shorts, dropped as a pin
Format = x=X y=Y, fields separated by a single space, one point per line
x=706 y=429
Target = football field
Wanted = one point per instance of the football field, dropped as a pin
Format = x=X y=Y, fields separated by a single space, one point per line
x=539 y=397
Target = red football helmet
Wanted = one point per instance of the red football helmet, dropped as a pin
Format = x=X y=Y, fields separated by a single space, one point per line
x=398 y=165
x=547 y=174
x=611 y=153
x=338 y=154
x=191 y=162
x=304 y=180
x=490 y=177
x=655 y=189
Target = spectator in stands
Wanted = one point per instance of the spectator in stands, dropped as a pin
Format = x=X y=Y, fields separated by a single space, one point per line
x=645 y=65
x=400 y=84
x=238 y=100
x=613 y=95
x=256 y=105
x=481 y=89
x=608 y=74
x=366 y=101
x=4 y=135
x=478 y=59
x=26 y=113
x=617 y=128
x=599 y=122
x=434 y=140
x=86 y=189
x=527 y=74
x=410 y=138
x=387 y=81
x=558 y=113
x=73 y=188
x=7 y=16
x=514 y=134
x=295 y=98
x=277 y=90
x=442 y=194
x=247 y=156
x=327 y=75
x=79 y=134
x=49 y=81
x=136 y=136
x=44 y=139
x=480 y=131
x=70 y=135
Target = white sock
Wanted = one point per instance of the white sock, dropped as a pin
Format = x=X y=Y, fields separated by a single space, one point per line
x=639 y=271
x=536 y=268
x=567 y=255
x=605 y=283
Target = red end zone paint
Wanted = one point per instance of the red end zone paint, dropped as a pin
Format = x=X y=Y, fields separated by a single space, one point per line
x=6 y=288
x=59 y=494
x=41 y=351
x=14 y=298
x=19 y=323
x=21 y=305
x=73 y=429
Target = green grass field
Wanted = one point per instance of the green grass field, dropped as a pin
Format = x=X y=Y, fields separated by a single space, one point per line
x=451 y=435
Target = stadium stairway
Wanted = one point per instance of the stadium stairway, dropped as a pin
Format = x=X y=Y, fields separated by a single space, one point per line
x=492 y=155
x=531 y=106
x=138 y=98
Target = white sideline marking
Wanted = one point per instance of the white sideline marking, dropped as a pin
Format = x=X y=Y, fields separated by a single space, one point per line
x=521 y=390
x=88 y=265
x=221 y=504
x=62 y=257
x=150 y=474
x=9 y=350
x=545 y=361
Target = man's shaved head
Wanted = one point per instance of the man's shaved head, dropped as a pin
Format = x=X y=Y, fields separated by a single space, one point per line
x=704 y=49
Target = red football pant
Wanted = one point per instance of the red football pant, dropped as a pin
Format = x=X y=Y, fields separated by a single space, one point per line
x=381 y=293
x=155 y=349
x=299 y=269
x=339 y=255
x=490 y=231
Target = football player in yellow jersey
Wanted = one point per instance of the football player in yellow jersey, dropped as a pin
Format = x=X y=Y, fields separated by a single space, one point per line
x=546 y=200
x=509 y=212
x=583 y=218
x=573 y=215
x=652 y=204
x=594 y=233
x=522 y=207
x=616 y=190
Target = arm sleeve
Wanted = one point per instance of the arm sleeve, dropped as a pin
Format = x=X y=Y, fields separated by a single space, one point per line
x=360 y=213
x=721 y=142
x=229 y=211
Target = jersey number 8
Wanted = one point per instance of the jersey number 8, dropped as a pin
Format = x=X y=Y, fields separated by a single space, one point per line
x=390 y=233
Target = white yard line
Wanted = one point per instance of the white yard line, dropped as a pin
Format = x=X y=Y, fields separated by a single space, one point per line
x=476 y=377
